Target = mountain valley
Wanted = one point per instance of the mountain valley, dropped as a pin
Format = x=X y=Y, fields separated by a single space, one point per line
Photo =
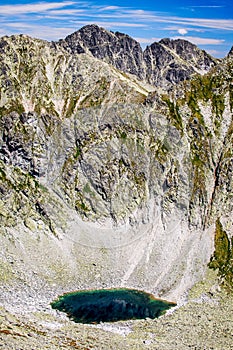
x=115 y=171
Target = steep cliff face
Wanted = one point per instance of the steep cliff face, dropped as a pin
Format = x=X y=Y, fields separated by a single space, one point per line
x=105 y=181
x=172 y=61
x=41 y=86
x=230 y=54
x=118 y=49
x=162 y=64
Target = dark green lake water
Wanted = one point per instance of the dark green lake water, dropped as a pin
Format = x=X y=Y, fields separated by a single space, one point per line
x=110 y=305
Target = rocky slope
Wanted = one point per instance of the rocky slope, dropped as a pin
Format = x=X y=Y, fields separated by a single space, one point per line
x=118 y=49
x=104 y=179
x=205 y=322
x=162 y=64
x=169 y=62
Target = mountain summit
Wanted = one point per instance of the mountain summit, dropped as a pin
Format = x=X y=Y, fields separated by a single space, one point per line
x=118 y=49
x=115 y=171
x=162 y=64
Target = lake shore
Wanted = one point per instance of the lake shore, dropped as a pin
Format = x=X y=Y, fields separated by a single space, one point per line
x=204 y=321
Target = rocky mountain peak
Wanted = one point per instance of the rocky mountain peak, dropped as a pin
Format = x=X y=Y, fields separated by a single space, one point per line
x=230 y=54
x=190 y=53
x=179 y=45
x=118 y=49
x=162 y=64
x=169 y=62
x=88 y=37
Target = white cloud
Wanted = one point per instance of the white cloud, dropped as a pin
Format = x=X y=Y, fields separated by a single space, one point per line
x=19 y=25
x=37 y=31
x=189 y=29
x=194 y=40
x=182 y=31
x=107 y=13
x=146 y=40
x=32 y=8
x=213 y=52
x=112 y=24
x=225 y=24
x=208 y=6
x=66 y=12
x=107 y=8
x=46 y=19
x=201 y=41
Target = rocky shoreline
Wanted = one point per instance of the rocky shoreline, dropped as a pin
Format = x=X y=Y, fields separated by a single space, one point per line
x=204 y=321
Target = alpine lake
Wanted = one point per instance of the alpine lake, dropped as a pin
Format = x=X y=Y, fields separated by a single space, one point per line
x=110 y=305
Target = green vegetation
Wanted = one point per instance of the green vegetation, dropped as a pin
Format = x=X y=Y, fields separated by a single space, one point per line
x=97 y=95
x=123 y=135
x=70 y=106
x=78 y=152
x=22 y=197
x=87 y=189
x=81 y=207
x=174 y=115
x=6 y=273
x=211 y=87
x=50 y=121
x=13 y=106
x=162 y=150
x=222 y=258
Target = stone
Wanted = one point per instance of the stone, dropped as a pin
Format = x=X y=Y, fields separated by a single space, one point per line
x=111 y=174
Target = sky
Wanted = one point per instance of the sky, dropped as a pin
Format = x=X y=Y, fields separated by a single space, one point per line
x=206 y=23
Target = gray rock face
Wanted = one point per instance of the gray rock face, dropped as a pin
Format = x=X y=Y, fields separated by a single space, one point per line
x=105 y=181
x=118 y=49
x=172 y=61
x=230 y=54
x=162 y=64
x=190 y=53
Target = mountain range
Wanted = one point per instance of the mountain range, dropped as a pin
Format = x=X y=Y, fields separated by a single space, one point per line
x=115 y=166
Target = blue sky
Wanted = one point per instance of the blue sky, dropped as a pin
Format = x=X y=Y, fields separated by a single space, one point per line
x=208 y=23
